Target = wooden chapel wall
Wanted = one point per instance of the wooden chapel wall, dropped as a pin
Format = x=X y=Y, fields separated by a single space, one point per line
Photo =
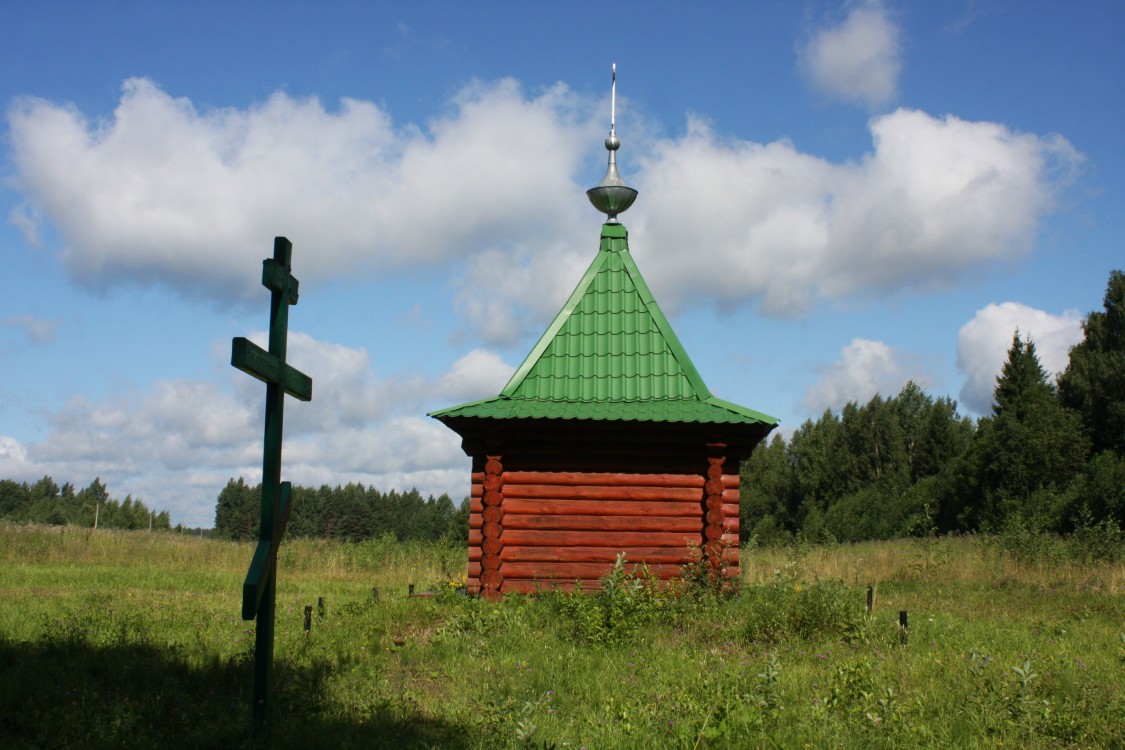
x=538 y=521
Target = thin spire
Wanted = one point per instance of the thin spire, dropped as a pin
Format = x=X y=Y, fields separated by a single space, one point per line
x=612 y=196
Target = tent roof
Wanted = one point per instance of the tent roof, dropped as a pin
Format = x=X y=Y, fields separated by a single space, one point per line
x=609 y=354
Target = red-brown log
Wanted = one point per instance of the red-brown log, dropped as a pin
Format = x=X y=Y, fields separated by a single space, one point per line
x=633 y=555
x=618 y=540
x=730 y=525
x=714 y=502
x=602 y=479
x=730 y=509
x=492 y=530
x=714 y=517
x=491 y=546
x=600 y=508
x=474 y=570
x=475 y=504
x=714 y=487
x=493 y=514
x=603 y=492
x=730 y=496
x=475 y=553
x=492 y=466
x=492 y=497
x=730 y=481
x=568 y=571
x=490 y=562
x=713 y=532
x=563 y=522
x=475 y=537
x=476 y=520
x=492 y=482
x=490 y=578
x=729 y=539
x=715 y=470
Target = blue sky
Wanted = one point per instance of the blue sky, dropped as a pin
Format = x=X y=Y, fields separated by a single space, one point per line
x=834 y=199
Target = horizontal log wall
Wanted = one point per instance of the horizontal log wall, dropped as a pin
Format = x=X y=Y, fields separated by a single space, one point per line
x=553 y=528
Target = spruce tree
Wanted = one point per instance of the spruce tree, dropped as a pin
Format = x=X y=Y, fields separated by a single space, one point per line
x=1033 y=447
x=1094 y=381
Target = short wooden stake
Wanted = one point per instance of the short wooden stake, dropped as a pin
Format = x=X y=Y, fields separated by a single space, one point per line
x=375 y=593
x=308 y=619
x=410 y=591
x=870 y=599
x=902 y=625
x=320 y=607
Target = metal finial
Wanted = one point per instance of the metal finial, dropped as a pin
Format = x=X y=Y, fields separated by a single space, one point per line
x=612 y=196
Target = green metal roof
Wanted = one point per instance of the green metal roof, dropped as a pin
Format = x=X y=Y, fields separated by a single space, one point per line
x=610 y=354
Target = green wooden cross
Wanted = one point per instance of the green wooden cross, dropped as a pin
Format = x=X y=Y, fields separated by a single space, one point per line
x=259 y=590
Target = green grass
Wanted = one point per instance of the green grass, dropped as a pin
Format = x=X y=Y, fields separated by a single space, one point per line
x=111 y=639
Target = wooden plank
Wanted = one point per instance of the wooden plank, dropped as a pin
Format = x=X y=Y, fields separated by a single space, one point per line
x=564 y=522
x=618 y=540
x=600 y=508
x=631 y=509
x=474 y=554
x=567 y=571
x=604 y=479
x=633 y=555
x=595 y=492
x=256 y=361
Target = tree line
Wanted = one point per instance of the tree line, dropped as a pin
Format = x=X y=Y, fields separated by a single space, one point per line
x=1050 y=457
x=46 y=502
x=349 y=513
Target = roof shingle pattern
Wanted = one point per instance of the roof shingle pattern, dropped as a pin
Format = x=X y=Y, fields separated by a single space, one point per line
x=610 y=354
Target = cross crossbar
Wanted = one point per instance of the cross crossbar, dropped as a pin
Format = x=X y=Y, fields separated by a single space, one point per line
x=256 y=361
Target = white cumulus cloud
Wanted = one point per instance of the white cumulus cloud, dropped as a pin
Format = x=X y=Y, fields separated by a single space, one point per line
x=736 y=221
x=165 y=192
x=864 y=369
x=162 y=191
x=983 y=344
x=857 y=60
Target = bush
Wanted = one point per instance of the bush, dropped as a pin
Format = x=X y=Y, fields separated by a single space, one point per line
x=781 y=609
x=628 y=599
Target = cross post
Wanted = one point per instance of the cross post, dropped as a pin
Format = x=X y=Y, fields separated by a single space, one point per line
x=259 y=589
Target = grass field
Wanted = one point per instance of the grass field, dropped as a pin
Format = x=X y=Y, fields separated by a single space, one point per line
x=130 y=639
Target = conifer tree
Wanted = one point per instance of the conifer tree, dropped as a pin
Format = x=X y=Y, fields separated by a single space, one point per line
x=1094 y=381
x=1033 y=447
